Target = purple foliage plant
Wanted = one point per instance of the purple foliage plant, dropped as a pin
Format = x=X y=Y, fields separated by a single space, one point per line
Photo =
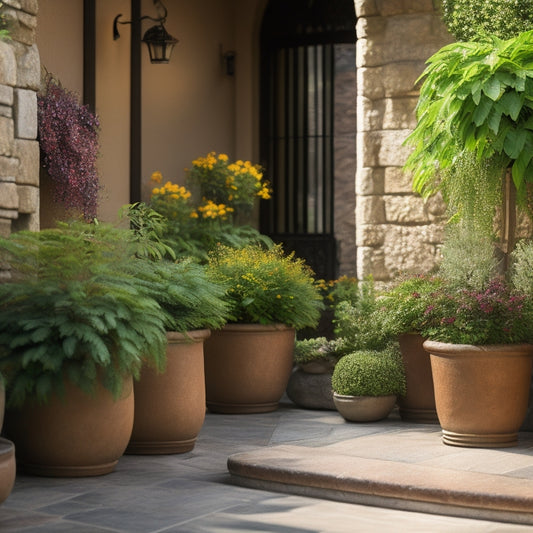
x=68 y=140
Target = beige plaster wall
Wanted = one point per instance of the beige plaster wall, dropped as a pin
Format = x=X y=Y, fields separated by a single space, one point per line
x=59 y=40
x=113 y=107
x=190 y=106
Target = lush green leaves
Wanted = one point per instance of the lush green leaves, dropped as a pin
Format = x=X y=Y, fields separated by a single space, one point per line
x=476 y=97
x=471 y=19
x=266 y=286
x=370 y=373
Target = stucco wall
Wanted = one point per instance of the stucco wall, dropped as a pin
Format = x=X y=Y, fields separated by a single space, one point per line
x=395 y=229
x=19 y=150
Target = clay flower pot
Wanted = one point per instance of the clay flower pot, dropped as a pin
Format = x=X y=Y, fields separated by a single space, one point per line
x=247 y=367
x=7 y=455
x=364 y=408
x=418 y=404
x=170 y=406
x=72 y=436
x=481 y=392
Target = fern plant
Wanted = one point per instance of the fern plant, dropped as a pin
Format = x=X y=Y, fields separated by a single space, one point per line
x=74 y=309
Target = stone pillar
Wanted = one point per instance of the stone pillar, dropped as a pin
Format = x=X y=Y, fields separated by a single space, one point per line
x=395 y=229
x=19 y=148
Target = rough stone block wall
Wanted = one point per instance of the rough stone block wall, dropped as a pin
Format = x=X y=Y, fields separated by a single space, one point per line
x=19 y=149
x=395 y=229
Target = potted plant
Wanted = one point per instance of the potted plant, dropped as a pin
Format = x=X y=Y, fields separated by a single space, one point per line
x=366 y=384
x=404 y=305
x=170 y=403
x=271 y=295
x=74 y=328
x=481 y=361
x=474 y=113
x=310 y=381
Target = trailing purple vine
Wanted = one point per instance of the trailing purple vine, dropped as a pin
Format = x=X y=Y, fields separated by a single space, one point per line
x=68 y=139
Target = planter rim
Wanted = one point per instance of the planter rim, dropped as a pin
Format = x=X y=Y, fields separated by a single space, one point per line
x=448 y=348
x=255 y=327
x=350 y=396
x=195 y=335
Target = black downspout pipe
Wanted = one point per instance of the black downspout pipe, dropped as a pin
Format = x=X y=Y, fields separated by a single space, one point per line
x=89 y=53
x=135 y=103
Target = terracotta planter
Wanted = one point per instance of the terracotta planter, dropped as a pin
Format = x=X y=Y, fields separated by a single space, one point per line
x=170 y=406
x=418 y=405
x=78 y=435
x=481 y=392
x=364 y=408
x=7 y=456
x=247 y=367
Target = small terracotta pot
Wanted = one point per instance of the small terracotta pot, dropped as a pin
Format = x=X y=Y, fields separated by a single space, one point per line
x=481 y=392
x=78 y=435
x=247 y=367
x=364 y=408
x=170 y=406
x=418 y=405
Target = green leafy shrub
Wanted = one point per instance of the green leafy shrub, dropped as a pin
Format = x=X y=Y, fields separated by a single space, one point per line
x=495 y=314
x=72 y=309
x=184 y=290
x=315 y=349
x=266 y=286
x=360 y=323
x=404 y=304
x=471 y=19
x=476 y=97
x=369 y=373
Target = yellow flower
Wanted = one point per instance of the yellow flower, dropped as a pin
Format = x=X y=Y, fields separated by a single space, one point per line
x=155 y=191
x=157 y=176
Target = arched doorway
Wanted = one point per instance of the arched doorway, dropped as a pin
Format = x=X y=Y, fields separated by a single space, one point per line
x=308 y=129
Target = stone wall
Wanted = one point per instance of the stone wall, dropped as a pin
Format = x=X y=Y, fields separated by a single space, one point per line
x=395 y=229
x=19 y=149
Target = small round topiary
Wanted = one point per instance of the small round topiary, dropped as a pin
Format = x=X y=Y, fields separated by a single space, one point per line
x=369 y=373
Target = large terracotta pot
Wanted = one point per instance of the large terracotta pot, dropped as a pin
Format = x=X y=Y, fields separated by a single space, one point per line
x=78 y=435
x=247 y=367
x=7 y=456
x=481 y=392
x=418 y=405
x=170 y=406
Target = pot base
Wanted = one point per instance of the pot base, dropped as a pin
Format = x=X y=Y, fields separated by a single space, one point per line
x=419 y=416
x=68 y=470
x=7 y=468
x=240 y=408
x=502 y=440
x=160 y=447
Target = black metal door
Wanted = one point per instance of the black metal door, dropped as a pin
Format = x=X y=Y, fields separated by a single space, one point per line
x=298 y=41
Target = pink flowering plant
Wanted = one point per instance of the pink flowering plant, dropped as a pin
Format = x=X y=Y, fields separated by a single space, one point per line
x=495 y=314
x=68 y=140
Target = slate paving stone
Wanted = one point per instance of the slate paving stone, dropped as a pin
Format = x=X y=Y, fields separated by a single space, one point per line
x=194 y=492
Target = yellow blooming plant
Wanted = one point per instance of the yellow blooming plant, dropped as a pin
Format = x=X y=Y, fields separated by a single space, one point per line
x=195 y=224
x=235 y=185
x=266 y=286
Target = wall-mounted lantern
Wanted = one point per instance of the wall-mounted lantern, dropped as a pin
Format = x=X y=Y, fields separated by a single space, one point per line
x=160 y=43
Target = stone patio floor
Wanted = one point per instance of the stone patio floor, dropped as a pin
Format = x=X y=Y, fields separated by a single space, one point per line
x=293 y=471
